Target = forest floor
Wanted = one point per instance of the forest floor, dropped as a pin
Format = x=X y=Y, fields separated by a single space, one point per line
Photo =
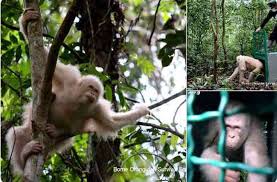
x=206 y=82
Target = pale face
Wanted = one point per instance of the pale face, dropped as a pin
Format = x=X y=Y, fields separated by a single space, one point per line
x=90 y=89
x=237 y=130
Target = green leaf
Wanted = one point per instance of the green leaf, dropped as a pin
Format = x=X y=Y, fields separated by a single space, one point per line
x=5 y=44
x=25 y=68
x=8 y=56
x=128 y=88
x=121 y=98
x=133 y=135
x=162 y=164
x=177 y=176
x=174 y=140
x=65 y=56
x=175 y=39
x=163 y=138
x=166 y=6
x=166 y=55
x=18 y=53
x=149 y=157
x=166 y=149
x=177 y=159
x=108 y=92
x=137 y=2
x=87 y=68
x=13 y=39
x=154 y=131
x=167 y=173
x=145 y=65
x=185 y=140
x=120 y=178
x=140 y=138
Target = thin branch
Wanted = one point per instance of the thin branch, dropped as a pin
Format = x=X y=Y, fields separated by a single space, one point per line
x=175 y=114
x=92 y=54
x=133 y=23
x=183 y=92
x=154 y=22
x=47 y=36
x=161 y=128
x=131 y=100
x=57 y=42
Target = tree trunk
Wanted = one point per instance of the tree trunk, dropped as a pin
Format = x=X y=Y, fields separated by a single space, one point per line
x=223 y=32
x=215 y=29
x=101 y=44
x=34 y=164
x=43 y=68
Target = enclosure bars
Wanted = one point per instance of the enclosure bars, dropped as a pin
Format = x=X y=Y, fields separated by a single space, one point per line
x=220 y=113
x=260 y=49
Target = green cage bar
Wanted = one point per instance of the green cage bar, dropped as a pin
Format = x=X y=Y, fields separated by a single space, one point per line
x=260 y=50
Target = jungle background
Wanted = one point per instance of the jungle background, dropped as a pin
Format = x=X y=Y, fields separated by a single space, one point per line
x=218 y=31
x=138 y=50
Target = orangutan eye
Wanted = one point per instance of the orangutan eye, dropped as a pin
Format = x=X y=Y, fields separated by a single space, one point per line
x=93 y=88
